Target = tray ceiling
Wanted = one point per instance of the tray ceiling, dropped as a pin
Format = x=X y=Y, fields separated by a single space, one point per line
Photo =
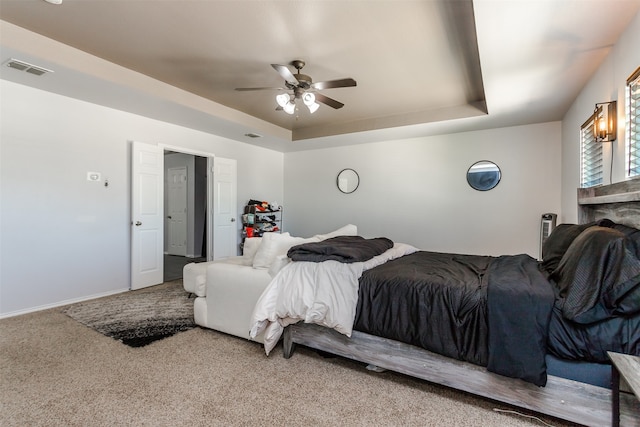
x=416 y=62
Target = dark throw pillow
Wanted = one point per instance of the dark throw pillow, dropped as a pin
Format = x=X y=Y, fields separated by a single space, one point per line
x=558 y=242
x=632 y=233
x=598 y=275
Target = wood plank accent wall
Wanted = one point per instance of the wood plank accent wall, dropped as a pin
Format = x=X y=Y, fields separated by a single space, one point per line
x=619 y=202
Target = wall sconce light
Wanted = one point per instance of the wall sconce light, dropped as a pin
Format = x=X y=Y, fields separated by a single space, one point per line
x=605 y=121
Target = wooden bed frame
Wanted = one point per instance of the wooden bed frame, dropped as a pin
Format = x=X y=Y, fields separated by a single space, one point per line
x=561 y=398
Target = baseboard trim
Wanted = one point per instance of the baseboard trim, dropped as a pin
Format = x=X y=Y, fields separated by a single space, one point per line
x=60 y=303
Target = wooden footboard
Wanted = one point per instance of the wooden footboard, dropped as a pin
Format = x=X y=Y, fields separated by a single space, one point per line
x=565 y=399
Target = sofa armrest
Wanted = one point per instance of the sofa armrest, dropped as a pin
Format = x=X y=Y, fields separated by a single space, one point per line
x=232 y=293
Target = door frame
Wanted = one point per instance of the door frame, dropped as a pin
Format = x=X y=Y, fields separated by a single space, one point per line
x=209 y=214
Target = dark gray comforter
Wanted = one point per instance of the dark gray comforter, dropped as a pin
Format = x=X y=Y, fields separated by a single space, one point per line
x=489 y=311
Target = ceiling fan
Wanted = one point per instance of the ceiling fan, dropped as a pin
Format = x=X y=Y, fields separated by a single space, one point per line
x=302 y=87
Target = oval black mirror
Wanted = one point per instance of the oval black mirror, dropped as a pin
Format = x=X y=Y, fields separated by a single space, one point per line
x=483 y=175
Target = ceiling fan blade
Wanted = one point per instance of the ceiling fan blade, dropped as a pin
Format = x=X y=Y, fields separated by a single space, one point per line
x=285 y=73
x=334 y=83
x=244 y=89
x=328 y=101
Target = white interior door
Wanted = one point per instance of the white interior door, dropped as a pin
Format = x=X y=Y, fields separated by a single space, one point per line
x=147 y=216
x=177 y=211
x=225 y=207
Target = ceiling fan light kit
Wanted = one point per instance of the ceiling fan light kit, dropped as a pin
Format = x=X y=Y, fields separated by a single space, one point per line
x=290 y=107
x=313 y=107
x=302 y=87
x=309 y=100
x=284 y=101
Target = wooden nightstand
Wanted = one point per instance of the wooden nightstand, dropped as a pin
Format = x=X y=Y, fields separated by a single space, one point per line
x=626 y=367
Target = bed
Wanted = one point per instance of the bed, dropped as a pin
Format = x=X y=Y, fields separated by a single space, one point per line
x=460 y=348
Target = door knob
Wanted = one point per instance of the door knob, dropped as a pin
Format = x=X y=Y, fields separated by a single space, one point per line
x=169 y=216
x=138 y=223
x=233 y=220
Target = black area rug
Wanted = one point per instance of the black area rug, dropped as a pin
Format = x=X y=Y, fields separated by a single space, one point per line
x=140 y=317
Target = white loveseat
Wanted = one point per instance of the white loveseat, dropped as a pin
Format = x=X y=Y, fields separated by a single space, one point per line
x=227 y=290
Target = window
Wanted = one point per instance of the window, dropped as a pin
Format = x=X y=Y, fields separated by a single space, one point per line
x=590 y=155
x=633 y=124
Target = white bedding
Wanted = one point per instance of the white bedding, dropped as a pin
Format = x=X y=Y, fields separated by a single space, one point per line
x=324 y=293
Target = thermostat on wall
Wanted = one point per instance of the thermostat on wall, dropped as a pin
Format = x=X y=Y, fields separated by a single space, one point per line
x=93 y=176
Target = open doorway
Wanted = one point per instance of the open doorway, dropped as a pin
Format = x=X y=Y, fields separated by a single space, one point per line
x=219 y=222
x=218 y=230
x=185 y=207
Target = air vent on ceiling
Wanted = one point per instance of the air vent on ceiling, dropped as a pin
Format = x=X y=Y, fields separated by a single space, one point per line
x=253 y=135
x=26 y=67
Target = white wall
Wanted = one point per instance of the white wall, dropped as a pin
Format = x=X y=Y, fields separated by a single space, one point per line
x=607 y=84
x=63 y=238
x=415 y=191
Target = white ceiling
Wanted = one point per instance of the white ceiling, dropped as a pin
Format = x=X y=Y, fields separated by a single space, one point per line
x=422 y=67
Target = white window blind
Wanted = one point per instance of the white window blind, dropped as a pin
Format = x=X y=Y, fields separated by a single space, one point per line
x=590 y=156
x=633 y=124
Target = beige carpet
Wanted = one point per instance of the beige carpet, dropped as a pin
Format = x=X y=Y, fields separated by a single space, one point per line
x=56 y=372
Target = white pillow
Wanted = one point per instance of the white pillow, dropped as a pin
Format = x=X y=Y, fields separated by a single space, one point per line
x=250 y=246
x=274 y=244
x=347 y=230
x=281 y=259
x=278 y=264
